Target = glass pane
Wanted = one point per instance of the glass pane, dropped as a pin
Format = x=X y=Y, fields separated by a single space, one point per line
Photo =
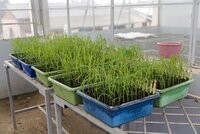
x=76 y=3
x=102 y=18
x=143 y=1
x=176 y=1
x=174 y=25
x=14 y=31
x=121 y=2
x=143 y=17
x=81 y=19
x=121 y=17
x=57 y=3
x=178 y=16
x=58 y=20
x=15 y=4
x=102 y=2
x=15 y=16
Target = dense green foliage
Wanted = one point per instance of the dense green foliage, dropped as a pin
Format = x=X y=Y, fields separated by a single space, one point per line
x=119 y=74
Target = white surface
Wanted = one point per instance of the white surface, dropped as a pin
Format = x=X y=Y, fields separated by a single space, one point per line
x=134 y=35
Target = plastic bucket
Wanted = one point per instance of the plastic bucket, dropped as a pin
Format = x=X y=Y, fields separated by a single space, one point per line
x=168 y=49
x=118 y=115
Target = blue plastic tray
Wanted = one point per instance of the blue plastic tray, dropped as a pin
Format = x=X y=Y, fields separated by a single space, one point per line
x=27 y=69
x=118 y=115
x=16 y=62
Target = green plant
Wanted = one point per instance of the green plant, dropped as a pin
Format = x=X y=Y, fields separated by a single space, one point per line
x=118 y=74
x=27 y=49
x=169 y=72
x=121 y=76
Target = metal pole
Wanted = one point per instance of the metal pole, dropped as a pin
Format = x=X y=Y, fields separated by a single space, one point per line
x=121 y=10
x=192 y=33
x=33 y=18
x=195 y=32
x=159 y=13
x=1 y=31
x=12 y=112
x=48 y=111
x=44 y=16
x=129 y=16
x=112 y=19
x=93 y=15
x=68 y=19
x=58 y=117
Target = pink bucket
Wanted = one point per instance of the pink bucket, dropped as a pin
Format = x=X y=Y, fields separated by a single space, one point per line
x=168 y=49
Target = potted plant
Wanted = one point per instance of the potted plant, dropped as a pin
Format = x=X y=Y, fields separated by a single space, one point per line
x=66 y=85
x=124 y=95
x=17 y=52
x=26 y=49
x=30 y=47
x=173 y=80
x=49 y=59
x=43 y=72
x=79 y=53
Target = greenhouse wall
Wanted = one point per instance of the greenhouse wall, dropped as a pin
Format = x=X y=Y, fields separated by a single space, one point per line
x=20 y=85
x=176 y=18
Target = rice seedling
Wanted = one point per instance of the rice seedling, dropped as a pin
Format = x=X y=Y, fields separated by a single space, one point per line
x=169 y=72
x=119 y=74
x=26 y=49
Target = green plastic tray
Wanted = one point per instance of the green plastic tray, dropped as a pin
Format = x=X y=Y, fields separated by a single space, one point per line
x=173 y=93
x=43 y=76
x=65 y=92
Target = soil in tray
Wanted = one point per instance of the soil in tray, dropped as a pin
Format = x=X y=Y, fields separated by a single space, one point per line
x=47 y=68
x=29 y=60
x=71 y=81
x=171 y=82
x=19 y=55
x=118 y=99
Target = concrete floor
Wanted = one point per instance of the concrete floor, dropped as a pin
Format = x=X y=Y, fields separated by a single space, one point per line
x=34 y=121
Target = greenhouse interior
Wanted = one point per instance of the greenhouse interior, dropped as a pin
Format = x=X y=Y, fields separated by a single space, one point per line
x=99 y=66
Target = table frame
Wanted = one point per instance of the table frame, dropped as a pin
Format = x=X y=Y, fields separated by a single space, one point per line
x=44 y=91
x=60 y=103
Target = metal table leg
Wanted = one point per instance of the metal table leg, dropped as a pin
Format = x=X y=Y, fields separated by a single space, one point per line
x=48 y=111
x=58 y=112
x=10 y=98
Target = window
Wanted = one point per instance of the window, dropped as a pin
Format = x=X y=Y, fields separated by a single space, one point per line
x=15 y=19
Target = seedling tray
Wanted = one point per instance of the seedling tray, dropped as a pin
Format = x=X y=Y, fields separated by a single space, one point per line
x=27 y=69
x=16 y=62
x=173 y=93
x=43 y=76
x=118 y=115
x=65 y=92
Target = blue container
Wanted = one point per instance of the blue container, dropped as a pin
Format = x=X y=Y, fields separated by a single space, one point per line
x=118 y=115
x=16 y=62
x=27 y=69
